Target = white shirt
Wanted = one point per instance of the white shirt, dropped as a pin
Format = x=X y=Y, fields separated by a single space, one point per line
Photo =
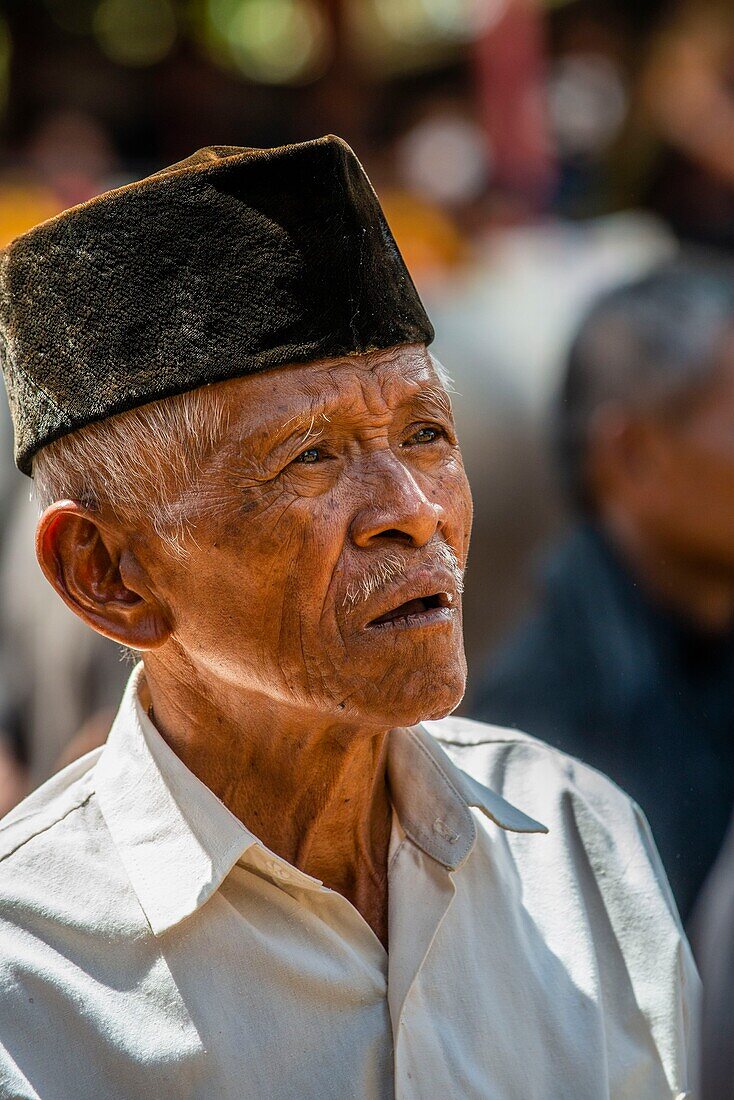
x=152 y=947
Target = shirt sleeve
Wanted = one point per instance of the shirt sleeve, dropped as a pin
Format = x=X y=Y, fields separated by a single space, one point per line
x=595 y=888
x=644 y=920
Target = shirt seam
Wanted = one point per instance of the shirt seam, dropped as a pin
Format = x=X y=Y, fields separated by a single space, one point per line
x=45 y=828
x=536 y=742
x=497 y=741
x=395 y=855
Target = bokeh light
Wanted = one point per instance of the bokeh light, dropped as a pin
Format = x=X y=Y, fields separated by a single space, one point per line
x=269 y=41
x=444 y=158
x=415 y=21
x=135 y=32
x=23 y=205
x=400 y=36
x=587 y=101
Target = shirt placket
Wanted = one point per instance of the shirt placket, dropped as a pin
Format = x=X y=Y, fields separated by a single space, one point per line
x=420 y=893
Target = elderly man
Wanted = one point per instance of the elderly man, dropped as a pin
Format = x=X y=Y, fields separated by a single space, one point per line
x=273 y=881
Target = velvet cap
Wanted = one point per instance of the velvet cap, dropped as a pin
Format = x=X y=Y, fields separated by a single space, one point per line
x=232 y=261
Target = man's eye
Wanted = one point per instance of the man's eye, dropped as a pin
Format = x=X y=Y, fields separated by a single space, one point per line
x=424 y=435
x=313 y=454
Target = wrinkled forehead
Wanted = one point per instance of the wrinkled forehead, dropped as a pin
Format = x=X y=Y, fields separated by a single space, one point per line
x=373 y=382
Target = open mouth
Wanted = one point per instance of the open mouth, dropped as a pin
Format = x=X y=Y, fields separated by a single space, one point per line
x=424 y=609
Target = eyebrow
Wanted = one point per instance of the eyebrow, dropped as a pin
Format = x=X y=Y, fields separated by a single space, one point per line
x=313 y=430
x=306 y=425
x=435 y=399
x=310 y=424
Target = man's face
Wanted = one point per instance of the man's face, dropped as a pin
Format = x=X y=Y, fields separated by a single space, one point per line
x=322 y=574
x=691 y=500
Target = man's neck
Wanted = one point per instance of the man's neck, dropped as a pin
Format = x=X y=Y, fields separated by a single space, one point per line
x=313 y=791
x=696 y=591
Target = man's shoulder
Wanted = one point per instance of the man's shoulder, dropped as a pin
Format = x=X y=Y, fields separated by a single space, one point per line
x=61 y=875
x=519 y=766
x=582 y=808
x=468 y=732
x=474 y=744
x=54 y=803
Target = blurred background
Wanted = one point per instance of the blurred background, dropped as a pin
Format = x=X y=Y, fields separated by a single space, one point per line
x=535 y=158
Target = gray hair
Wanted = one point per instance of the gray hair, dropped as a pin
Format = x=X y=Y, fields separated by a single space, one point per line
x=145 y=461
x=644 y=345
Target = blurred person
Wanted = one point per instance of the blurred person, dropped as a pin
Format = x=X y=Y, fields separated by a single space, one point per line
x=628 y=660
x=286 y=873
x=713 y=932
x=686 y=115
x=508 y=58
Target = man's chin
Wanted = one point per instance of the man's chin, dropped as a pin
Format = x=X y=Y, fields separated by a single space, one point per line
x=405 y=682
x=408 y=708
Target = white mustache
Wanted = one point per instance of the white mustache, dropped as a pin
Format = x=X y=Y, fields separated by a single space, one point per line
x=396 y=564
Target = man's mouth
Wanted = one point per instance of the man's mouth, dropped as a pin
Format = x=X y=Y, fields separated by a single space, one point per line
x=418 y=612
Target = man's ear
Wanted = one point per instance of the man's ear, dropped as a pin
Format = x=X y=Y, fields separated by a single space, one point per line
x=81 y=558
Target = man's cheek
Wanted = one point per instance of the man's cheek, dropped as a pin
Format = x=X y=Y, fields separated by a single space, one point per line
x=461 y=508
x=252 y=516
x=452 y=492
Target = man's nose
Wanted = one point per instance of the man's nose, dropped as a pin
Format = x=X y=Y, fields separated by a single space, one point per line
x=398 y=510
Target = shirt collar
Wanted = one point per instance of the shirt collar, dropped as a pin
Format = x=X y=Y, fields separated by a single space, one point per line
x=178 y=841
x=433 y=797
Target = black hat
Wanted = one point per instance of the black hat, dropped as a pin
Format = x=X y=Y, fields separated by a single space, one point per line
x=232 y=261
